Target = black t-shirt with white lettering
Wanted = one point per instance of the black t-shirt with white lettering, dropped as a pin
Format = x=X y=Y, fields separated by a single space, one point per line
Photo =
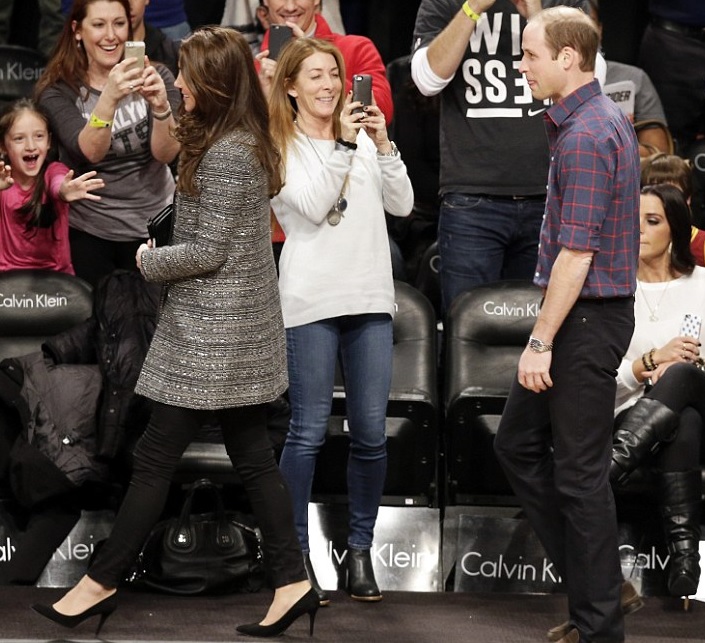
x=492 y=135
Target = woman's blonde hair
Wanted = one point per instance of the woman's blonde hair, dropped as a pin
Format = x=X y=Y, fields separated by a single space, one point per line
x=217 y=66
x=282 y=106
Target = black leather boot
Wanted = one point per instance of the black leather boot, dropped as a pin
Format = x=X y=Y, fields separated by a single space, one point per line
x=679 y=500
x=323 y=598
x=362 y=585
x=646 y=425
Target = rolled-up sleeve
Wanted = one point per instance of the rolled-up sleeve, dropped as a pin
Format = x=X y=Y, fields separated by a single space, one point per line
x=585 y=178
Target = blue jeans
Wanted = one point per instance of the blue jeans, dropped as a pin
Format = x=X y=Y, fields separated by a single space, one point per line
x=364 y=343
x=483 y=239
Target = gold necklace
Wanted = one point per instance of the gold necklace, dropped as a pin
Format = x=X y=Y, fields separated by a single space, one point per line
x=653 y=317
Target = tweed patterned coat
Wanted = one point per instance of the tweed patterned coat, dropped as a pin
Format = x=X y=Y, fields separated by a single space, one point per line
x=220 y=339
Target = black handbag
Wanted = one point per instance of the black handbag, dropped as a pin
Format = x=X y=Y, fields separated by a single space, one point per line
x=160 y=225
x=205 y=553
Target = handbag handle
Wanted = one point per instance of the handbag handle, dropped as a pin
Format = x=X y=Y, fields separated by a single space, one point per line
x=183 y=535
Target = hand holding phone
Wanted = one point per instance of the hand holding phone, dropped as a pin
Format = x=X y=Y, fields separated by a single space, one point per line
x=362 y=91
x=690 y=326
x=135 y=49
x=279 y=35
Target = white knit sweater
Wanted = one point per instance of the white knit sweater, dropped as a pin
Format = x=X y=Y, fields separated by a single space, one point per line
x=670 y=301
x=328 y=271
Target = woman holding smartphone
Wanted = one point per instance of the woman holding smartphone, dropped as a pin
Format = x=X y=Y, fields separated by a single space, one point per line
x=111 y=113
x=661 y=388
x=342 y=173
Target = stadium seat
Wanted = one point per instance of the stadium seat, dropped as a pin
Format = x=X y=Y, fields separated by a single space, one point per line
x=486 y=331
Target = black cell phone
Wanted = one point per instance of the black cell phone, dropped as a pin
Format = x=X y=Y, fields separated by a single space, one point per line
x=362 y=90
x=279 y=35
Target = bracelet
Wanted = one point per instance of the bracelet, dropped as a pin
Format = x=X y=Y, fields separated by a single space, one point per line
x=98 y=123
x=162 y=116
x=647 y=359
x=538 y=346
x=348 y=144
x=469 y=12
x=644 y=357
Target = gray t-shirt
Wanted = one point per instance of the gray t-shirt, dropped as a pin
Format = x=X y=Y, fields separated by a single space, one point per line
x=647 y=104
x=136 y=185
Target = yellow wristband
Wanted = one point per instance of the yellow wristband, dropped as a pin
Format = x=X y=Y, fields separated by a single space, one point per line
x=469 y=12
x=98 y=123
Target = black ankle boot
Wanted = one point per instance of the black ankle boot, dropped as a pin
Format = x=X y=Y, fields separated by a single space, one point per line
x=323 y=598
x=646 y=425
x=362 y=585
x=680 y=500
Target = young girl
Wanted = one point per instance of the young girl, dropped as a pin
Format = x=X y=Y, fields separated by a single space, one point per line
x=34 y=193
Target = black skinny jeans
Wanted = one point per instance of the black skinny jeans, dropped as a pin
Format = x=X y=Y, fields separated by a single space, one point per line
x=681 y=389
x=170 y=430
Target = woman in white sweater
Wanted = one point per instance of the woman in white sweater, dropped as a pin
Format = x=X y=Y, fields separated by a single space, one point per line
x=660 y=403
x=337 y=291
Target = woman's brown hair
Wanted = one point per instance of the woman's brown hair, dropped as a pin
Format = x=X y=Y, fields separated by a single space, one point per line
x=69 y=63
x=217 y=66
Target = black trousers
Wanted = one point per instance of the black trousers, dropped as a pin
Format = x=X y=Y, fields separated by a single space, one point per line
x=93 y=258
x=555 y=448
x=157 y=453
x=682 y=389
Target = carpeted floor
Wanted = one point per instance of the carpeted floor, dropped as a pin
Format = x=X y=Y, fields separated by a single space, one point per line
x=402 y=617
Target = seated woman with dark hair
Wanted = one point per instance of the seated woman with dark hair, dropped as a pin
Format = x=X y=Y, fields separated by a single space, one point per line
x=660 y=402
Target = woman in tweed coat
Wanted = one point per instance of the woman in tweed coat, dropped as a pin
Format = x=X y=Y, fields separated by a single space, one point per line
x=219 y=343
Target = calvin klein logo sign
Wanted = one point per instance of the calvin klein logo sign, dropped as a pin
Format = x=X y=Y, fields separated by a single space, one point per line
x=17 y=71
x=649 y=559
x=473 y=563
x=390 y=555
x=70 y=549
x=33 y=300
x=6 y=550
x=496 y=554
x=505 y=309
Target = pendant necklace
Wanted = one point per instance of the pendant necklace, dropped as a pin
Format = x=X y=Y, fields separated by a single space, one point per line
x=653 y=317
x=335 y=214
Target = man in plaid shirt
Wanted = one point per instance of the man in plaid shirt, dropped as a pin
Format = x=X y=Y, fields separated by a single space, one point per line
x=555 y=437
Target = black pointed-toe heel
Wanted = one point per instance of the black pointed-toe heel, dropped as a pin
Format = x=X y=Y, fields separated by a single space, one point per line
x=307 y=604
x=103 y=609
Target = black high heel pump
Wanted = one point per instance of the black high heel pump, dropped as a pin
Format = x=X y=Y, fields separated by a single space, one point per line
x=103 y=609
x=307 y=604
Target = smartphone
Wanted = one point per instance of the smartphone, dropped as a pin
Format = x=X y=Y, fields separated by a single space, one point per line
x=690 y=327
x=362 y=90
x=279 y=35
x=135 y=49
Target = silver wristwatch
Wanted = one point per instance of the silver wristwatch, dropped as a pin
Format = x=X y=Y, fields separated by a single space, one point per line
x=394 y=151
x=537 y=346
